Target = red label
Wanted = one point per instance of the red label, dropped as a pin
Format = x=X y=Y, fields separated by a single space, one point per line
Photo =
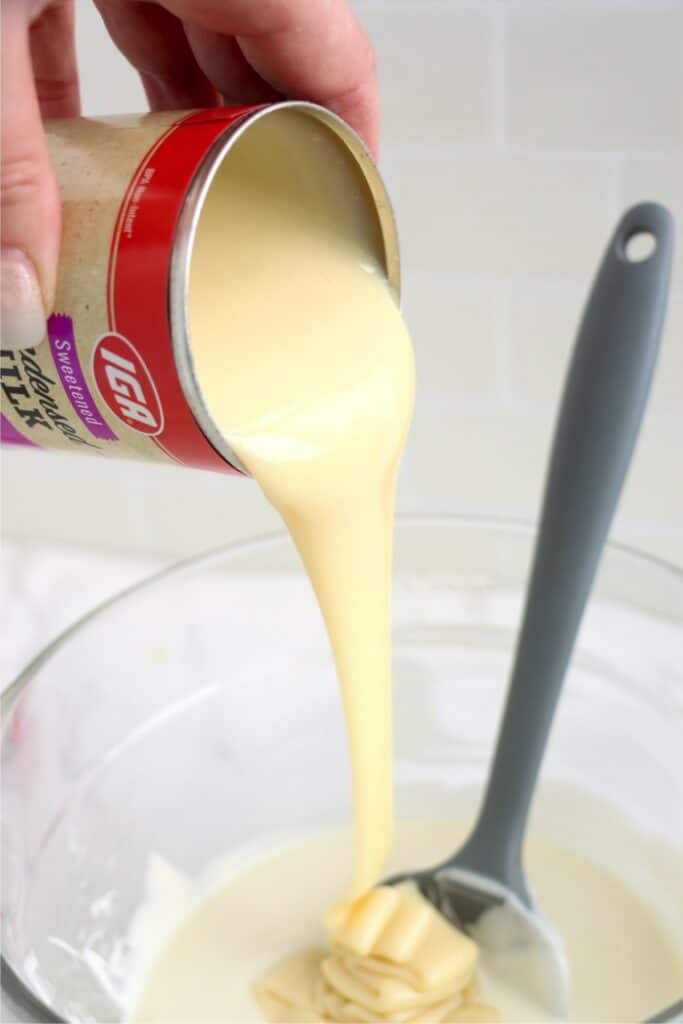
x=126 y=384
x=138 y=289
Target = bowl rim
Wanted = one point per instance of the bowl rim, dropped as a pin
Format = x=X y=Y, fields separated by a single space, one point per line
x=261 y=541
x=13 y=987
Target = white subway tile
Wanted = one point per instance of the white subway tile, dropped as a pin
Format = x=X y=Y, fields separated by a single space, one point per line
x=667 y=389
x=606 y=77
x=498 y=213
x=659 y=179
x=109 y=84
x=435 y=73
x=653 y=494
x=463 y=461
x=542 y=322
x=455 y=329
x=460 y=461
x=130 y=510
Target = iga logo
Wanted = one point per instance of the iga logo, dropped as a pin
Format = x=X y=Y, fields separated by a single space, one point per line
x=126 y=384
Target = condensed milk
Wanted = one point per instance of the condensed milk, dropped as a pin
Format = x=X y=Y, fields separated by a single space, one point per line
x=306 y=370
x=317 y=405
x=201 y=944
x=318 y=410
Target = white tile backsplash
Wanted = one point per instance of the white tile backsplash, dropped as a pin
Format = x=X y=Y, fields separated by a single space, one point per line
x=655 y=480
x=108 y=83
x=667 y=390
x=456 y=329
x=132 y=506
x=515 y=131
x=475 y=462
x=596 y=77
x=445 y=98
x=658 y=178
x=542 y=320
x=506 y=214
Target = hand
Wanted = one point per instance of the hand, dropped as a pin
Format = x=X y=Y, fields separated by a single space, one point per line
x=189 y=53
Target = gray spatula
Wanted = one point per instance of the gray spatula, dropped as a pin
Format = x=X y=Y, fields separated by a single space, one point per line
x=483 y=888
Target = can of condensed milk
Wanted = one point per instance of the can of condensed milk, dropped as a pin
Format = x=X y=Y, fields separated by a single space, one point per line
x=115 y=375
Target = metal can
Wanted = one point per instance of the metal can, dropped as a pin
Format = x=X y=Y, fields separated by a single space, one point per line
x=115 y=376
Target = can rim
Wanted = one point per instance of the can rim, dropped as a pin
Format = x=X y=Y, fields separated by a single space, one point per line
x=186 y=229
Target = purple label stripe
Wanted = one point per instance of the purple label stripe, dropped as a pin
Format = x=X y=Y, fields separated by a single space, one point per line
x=60 y=333
x=10 y=435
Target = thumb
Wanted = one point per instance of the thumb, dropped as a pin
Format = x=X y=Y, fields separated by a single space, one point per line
x=30 y=200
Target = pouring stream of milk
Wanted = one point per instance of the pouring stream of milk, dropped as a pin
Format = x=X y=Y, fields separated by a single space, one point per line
x=307 y=369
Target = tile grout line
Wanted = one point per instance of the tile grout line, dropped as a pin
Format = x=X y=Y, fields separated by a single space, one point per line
x=498 y=84
x=500 y=279
x=480 y=150
x=615 y=186
x=560 y=8
x=504 y=389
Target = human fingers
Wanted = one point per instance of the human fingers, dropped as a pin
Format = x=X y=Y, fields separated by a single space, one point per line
x=37 y=40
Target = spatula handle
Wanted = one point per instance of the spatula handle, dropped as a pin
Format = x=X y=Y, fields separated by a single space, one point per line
x=602 y=407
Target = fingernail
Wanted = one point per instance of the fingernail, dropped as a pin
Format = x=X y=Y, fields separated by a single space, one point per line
x=23 y=313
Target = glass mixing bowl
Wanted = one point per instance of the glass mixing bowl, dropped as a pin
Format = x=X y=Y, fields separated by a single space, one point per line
x=198 y=712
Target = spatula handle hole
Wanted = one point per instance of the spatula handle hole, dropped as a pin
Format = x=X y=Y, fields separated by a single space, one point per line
x=639 y=245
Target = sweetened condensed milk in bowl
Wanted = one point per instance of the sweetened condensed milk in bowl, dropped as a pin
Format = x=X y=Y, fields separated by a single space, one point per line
x=177 y=762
